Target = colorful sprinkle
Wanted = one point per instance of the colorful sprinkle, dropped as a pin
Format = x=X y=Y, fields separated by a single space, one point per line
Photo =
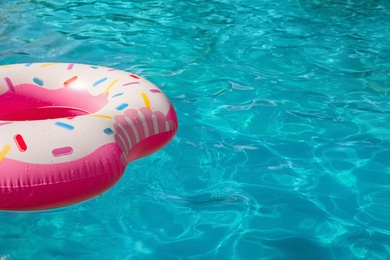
x=122 y=106
x=108 y=131
x=110 y=86
x=101 y=116
x=64 y=125
x=70 y=66
x=146 y=100
x=130 y=83
x=94 y=67
x=62 y=151
x=20 y=142
x=47 y=65
x=5 y=123
x=70 y=81
x=4 y=152
x=5 y=66
x=28 y=64
x=134 y=76
x=155 y=91
x=117 y=95
x=10 y=85
x=38 y=81
x=99 y=81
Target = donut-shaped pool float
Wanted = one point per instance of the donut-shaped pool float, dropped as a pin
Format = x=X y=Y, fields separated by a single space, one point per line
x=68 y=131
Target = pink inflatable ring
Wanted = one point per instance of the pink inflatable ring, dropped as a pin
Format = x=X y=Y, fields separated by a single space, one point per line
x=67 y=131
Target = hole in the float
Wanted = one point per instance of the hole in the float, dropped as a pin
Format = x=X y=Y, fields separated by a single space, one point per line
x=27 y=102
x=42 y=113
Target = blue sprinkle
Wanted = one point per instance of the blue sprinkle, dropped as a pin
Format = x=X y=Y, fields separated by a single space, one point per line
x=38 y=81
x=66 y=126
x=28 y=64
x=122 y=106
x=94 y=67
x=117 y=95
x=108 y=131
x=99 y=81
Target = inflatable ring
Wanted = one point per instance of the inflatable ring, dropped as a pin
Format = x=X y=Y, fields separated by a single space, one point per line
x=68 y=131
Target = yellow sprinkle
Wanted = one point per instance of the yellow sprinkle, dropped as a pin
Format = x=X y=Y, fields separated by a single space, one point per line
x=110 y=86
x=47 y=65
x=5 y=66
x=102 y=116
x=4 y=152
x=146 y=99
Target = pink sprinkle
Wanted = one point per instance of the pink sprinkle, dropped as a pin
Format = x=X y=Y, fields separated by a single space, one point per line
x=70 y=66
x=5 y=123
x=155 y=91
x=10 y=84
x=62 y=151
x=130 y=83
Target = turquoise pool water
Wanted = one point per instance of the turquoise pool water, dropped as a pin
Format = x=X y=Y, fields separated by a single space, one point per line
x=283 y=150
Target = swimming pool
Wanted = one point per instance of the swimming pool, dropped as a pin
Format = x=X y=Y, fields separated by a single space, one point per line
x=283 y=147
